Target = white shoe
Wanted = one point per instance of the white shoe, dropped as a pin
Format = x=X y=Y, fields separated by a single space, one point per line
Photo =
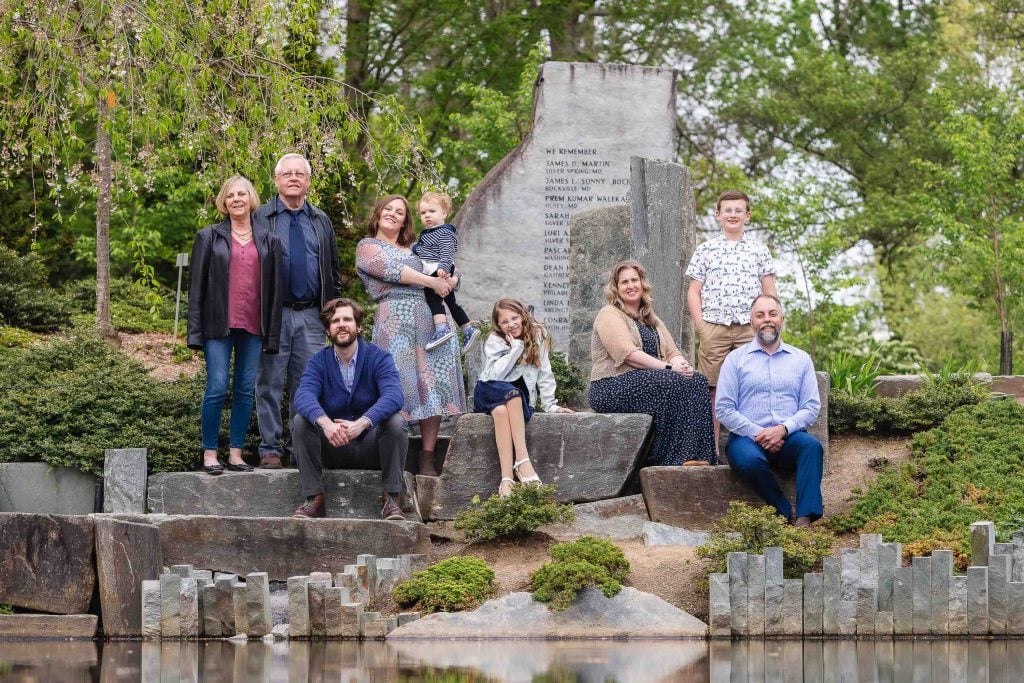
x=532 y=479
x=505 y=489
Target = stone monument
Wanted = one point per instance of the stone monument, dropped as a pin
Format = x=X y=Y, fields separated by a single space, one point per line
x=514 y=228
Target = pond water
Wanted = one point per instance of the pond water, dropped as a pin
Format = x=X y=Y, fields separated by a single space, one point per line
x=513 y=661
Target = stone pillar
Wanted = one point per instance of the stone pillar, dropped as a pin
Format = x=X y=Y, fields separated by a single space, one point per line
x=958 y=606
x=983 y=538
x=238 y=596
x=849 y=561
x=124 y=480
x=903 y=601
x=663 y=221
x=792 y=607
x=170 y=605
x=317 y=589
x=334 y=618
x=191 y=620
x=737 y=565
x=814 y=602
x=942 y=574
x=832 y=593
x=370 y=562
x=219 y=607
x=1015 y=617
x=298 y=606
x=719 y=613
x=867 y=609
x=998 y=593
x=773 y=592
x=359 y=582
x=922 y=578
x=257 y=604
x=388 y=575
x=185 y=571
x=889 y=557
x=977 y=598
x=151 y=608
x=755 y=595
x=1017 y=570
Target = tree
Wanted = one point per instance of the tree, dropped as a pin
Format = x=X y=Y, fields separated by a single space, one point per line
x=105 y=94
x=975 y=204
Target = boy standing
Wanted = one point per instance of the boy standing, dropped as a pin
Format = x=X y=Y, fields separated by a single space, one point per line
x=726 y=273
x=436 y=247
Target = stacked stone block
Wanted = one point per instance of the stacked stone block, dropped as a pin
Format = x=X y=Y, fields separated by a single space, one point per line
x=866 y=592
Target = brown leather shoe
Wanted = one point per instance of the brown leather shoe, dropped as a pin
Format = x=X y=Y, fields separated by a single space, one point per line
x=427 y=464
x=270 y=461
x=313 y=508
x=391 y=509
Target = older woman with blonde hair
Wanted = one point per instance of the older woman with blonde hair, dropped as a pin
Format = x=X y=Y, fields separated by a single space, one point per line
x=637 y=368
x=234 y=307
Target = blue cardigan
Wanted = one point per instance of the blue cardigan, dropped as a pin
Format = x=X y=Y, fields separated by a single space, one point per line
x=376 y=390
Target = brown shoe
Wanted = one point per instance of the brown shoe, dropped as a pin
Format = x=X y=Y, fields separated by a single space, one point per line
x=391 y=508
x=802 y=521
x=270 y=461
x=313 y=508
x=427 y=464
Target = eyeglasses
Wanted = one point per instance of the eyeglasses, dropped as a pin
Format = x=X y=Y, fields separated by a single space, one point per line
x=293 y=174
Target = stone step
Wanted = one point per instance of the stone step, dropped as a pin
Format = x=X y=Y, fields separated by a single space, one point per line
x=48 y=626
x=350 y=494
x=697 y=497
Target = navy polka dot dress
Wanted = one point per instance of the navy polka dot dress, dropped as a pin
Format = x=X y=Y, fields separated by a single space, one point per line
x=680 y=406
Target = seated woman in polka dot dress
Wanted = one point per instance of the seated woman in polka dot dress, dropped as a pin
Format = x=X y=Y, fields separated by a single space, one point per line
x=637 y=368
x=516 y=370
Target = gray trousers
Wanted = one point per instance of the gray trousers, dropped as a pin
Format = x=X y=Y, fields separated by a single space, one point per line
x=302 y=335
x=382 y=447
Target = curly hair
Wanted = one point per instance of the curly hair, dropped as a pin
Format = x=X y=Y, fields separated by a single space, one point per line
x=611 y=292
x=534 y=334
x=406 y=236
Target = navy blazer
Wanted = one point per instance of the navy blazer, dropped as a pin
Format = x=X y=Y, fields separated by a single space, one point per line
x=376 y=390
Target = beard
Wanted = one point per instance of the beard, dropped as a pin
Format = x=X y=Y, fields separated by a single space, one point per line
x=344 y=343
x=768 y=335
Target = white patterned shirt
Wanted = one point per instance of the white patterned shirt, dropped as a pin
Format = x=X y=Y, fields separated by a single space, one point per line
x=731 y=273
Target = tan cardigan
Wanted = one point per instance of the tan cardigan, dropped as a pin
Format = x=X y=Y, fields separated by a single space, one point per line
x=615 y=336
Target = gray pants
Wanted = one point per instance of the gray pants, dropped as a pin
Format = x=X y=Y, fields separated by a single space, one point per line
x=383 y=447
x=302 y=335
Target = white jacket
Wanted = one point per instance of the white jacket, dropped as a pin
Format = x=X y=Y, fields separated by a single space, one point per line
x=500 y=363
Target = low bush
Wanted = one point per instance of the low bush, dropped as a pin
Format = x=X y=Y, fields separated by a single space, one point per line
x=134 y=307
x=514 y=516
x=917 y=410
x=750 y=529
x=454 y=584
x=968 y=469
x=570 y=385
x=15 y=337
x=26 y=299
x=587 y=562
x=71 y=398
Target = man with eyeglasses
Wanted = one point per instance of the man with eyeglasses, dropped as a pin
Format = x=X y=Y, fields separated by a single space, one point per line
x=311 y=277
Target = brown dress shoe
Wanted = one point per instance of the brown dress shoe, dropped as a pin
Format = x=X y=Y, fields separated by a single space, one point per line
x=270 y=461
x=391 y=508
x=427 y=464
x=313 y=508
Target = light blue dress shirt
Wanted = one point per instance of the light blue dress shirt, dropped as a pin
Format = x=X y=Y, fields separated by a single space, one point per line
x=348 y=370
x=757 y=390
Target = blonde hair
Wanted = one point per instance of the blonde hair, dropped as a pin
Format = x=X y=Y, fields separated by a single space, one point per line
x=439 y=198
x=534 y=334
x=611 y=292
x=221 y=201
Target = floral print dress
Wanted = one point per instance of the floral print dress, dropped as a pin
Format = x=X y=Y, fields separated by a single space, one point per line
x=431 y=381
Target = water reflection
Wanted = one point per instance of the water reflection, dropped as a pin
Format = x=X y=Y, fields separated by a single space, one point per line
x=514 y=661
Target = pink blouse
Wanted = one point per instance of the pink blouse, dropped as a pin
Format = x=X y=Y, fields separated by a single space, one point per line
x=244 y=287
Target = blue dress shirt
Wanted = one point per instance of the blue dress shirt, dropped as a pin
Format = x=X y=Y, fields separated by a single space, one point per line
x=282 y=228
x=757 y=390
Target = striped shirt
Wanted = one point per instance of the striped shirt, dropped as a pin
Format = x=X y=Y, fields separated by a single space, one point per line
x=757 y=390
x=438 y=245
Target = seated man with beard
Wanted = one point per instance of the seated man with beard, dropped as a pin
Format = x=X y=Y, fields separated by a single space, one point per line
x=348 y=413
x=767 y=397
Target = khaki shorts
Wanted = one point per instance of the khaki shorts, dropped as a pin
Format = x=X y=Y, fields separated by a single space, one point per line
x=716 y=341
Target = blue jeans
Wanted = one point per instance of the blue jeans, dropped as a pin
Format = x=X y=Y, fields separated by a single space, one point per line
x=218 y=361
x=801 y=450
x=302 y=335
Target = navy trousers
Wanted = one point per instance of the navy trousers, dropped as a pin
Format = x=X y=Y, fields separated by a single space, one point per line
x=801 y=450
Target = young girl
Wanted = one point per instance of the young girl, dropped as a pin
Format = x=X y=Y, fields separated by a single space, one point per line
x=516 y=367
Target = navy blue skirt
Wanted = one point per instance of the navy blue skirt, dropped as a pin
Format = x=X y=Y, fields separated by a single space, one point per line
x=488 y=395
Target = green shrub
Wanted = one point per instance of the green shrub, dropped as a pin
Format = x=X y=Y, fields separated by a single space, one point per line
x=917 y=410
x=570 y=385
x=76 y=397
x=514 y=516
x=587 y=562
x=15 y=337
x=854 y=375
x=26 y=299
x=134 y=307
x=454 y=584
x=969 y=468
x=750 y=529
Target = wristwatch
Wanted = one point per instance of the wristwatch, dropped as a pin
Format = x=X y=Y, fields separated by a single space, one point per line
x=786 y=429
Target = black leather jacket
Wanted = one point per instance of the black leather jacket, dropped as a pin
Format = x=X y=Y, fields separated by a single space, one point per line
x=208 y=284
x=330 y=268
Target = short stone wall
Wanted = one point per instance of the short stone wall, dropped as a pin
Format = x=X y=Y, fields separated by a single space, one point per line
x=866 y=592
x=186 y=603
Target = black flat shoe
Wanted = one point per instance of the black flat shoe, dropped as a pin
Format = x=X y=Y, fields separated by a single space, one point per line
x=214 y=469
x=232 y=467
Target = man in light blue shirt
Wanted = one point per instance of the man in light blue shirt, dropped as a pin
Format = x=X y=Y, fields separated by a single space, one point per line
x=767 y=397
